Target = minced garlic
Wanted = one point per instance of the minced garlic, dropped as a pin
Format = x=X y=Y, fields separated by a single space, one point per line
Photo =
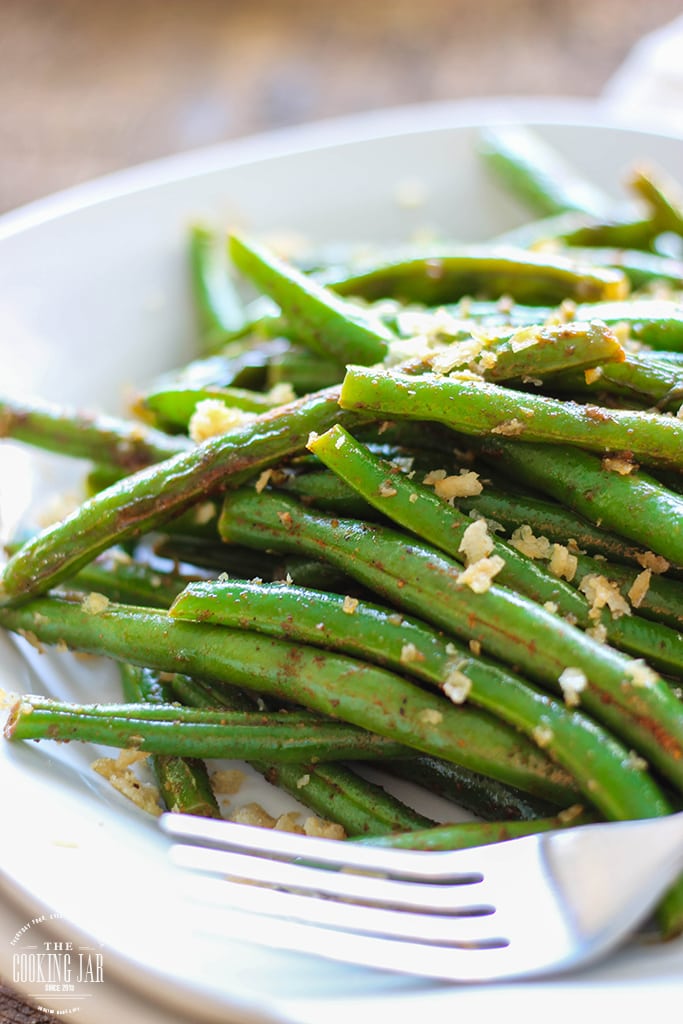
x=618 y=464
x=640 y=587
x=323 y=829
x=212 y=417
x=349 y=605
x=430 y=716
x=533 y=547
x=509 y=428
x=603 y=593
x=94 y=603
x=562 y=563
x=657 y=563
x=572 y=682
x=476 y=542
x=480 y=575
x=465 y=484
x=119 y=774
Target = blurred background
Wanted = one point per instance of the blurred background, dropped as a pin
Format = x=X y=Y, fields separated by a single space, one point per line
x=88 y=87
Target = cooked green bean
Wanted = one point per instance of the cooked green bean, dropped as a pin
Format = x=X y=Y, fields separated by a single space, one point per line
x=478 y=408
x=420 y=510
x=152 y=496
x=633 y=504
x=320 y=319
x=621 y=692
x=370 y=697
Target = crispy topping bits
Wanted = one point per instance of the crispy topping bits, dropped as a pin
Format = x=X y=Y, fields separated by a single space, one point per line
x=526 y=337
x=543 y=736
x=289 y=822
x=509 y=428
x=635 y=762
x=639 y=673
x=457 y=686
x=303 y=781
x=603 y=593
x=590 y=376
x=253 y=814
x=465 y=484
x=533 y=547
x=480 y=575
x=476 y=542
x=349 y=605
x=598 y=632
x=619 y=464
x=572 y=681
x=412 y=498
x=227 y=780
x=410 y=653
x=640 y=587
x=430 y=716
x=204 y=513
x=262 y=481
x=550 y=606
x=212 y=417
x=118 y=771
x=285 y=518
x=475 y=647
x=386 y=489
x=323 y=829
x=562 y=563
x=282 y=393
x=657 y=563
x=32 y=639
x=94 y=603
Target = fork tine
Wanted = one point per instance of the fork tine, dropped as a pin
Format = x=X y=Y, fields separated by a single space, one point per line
x=437 y=866
x=366 y=889
x=444 y=930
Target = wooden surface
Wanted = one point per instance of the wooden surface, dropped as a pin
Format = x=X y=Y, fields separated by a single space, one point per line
x=92 y=87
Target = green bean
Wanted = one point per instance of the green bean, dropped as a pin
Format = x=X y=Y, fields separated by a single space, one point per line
x=479 y=408
x=634 y=505
x=660 y=195
x=220 y=311
x=422 y=512
x=575 y=742
x=69 y=431
x=152 y=496
x=172 y=730
x=241 y=364
x=638 y=379
x=329 y=325
x=623 y=694
x=446 y=274
x=183 y=782
x=536 y=173
x=535 y=351
x=467 y=834
x=661 y=601
x=303 y=373
x=640 y=268
x=576 y=229
x=172 y=408
x=488 y=798
x=331 y=790
x=654 y=322
x=360 y=694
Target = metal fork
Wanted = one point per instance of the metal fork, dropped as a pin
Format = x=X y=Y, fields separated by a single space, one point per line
x=538 y=905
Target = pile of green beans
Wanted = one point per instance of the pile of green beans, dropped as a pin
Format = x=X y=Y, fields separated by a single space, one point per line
x=411 y=518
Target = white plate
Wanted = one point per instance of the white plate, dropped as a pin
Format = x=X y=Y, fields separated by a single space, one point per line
x=94 y=297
